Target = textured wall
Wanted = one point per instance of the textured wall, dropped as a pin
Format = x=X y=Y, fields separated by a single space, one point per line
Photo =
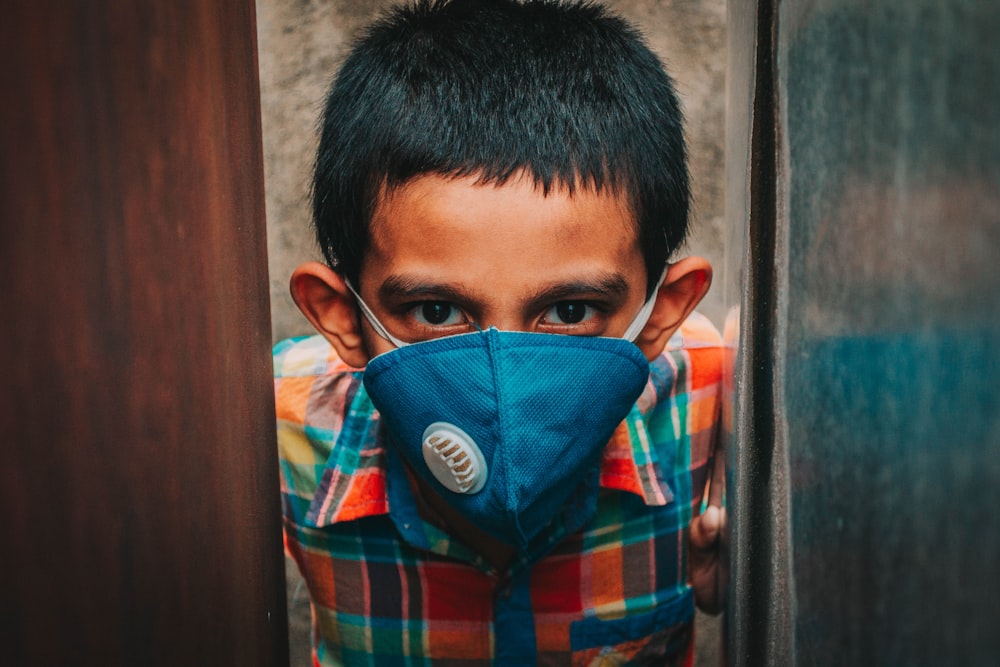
x=864 y=156
x=301 y=43
x=889 y=231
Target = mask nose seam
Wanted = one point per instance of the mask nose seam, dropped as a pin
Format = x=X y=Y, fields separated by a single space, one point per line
x=495 y=347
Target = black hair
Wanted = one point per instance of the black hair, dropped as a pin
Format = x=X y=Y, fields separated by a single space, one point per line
x=562 y=90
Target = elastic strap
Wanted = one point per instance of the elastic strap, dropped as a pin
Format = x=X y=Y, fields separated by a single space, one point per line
x=642 y=317
x=372 y=320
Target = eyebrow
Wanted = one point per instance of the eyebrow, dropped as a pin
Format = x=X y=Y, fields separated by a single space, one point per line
x=405 y=287
x=610 y=285
x=613 y=286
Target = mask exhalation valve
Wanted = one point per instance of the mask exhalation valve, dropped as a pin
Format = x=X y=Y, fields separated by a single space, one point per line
x=453 y=458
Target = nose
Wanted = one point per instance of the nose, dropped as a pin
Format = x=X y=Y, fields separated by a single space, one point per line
x=505 y=320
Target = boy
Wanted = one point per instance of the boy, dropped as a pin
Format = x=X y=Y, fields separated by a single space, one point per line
x=487 y=456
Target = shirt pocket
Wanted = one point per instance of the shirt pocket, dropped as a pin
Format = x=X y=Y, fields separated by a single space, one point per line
x=661 y=636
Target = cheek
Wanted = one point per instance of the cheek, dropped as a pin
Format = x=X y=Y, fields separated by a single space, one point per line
x=620 y=322
x=373 y=344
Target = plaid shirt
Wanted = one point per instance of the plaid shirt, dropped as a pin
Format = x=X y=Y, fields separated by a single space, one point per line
x=389 y=588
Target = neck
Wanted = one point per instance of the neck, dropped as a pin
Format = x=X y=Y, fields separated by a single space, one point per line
x=436 y=510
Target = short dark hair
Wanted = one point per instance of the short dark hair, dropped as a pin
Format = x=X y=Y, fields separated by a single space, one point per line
x=562 y=90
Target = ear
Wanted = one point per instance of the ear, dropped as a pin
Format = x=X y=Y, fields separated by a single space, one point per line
x=686 y=283
x=322 y=296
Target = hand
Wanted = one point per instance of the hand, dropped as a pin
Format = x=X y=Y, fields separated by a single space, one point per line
x=706 y=539
x=708 y=530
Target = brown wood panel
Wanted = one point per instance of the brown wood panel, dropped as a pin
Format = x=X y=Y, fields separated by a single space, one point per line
x=138 y=475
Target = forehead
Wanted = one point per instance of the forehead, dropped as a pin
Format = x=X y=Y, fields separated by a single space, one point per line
x=510 y=234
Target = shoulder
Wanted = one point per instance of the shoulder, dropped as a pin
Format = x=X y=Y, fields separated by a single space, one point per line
x=698 y=346
x=697 y=332
x=306 y=356
x=691 y=364
x=311 y=384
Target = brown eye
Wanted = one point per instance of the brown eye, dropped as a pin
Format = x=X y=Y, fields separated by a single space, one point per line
x=571 y=312
x=438 y=313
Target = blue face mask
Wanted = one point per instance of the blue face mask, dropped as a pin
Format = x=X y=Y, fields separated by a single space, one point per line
x=508 y=427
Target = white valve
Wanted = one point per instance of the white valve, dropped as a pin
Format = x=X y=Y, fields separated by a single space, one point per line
x=454 y=458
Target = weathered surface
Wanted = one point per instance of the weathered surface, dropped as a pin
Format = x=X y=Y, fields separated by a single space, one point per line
x=138 y=473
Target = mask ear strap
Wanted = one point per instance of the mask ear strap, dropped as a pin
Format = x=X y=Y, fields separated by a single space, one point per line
x=642 y=317
x=372 y=320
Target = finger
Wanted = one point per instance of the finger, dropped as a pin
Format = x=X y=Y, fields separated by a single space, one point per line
x=717 y=485
x=705 y=528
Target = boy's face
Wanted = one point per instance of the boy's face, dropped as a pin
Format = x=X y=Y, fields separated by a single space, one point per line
x=448 y=252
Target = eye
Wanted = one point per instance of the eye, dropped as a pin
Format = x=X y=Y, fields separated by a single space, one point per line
x=437 y=314
x=569 y=312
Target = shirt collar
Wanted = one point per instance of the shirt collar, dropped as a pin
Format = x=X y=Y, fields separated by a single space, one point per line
x=354 y=482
